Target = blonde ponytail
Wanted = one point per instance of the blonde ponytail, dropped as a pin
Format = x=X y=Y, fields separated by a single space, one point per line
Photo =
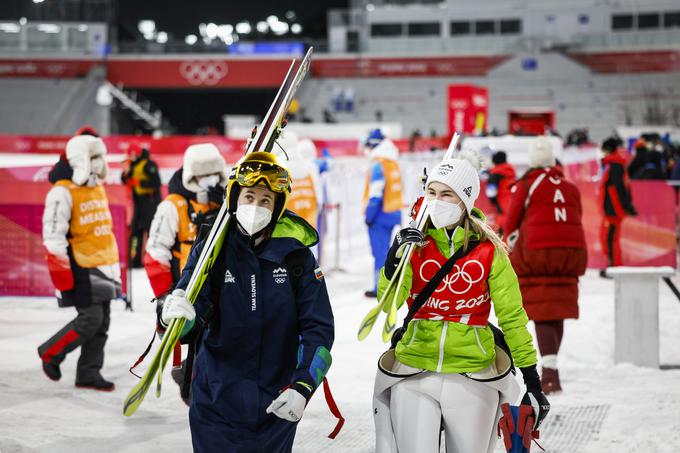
x=485 y=233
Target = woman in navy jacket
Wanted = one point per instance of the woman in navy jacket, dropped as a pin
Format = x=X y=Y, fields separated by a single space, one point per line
x=267 y=343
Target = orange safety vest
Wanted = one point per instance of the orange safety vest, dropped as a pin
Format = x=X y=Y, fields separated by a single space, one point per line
x=91 y=229
x=303 y=201
x=187 y=230
x=392 y=199
x=140 y=175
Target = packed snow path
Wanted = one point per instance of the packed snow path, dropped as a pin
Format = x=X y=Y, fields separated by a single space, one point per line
x=604 y=408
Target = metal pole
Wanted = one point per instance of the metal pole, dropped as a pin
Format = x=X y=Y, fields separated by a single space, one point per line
x=336 y=266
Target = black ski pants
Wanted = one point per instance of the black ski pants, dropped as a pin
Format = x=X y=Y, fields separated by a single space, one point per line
x=144 y=210
x=89 y=330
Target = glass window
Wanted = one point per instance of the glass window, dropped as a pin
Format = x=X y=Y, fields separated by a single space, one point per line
x=671 y=19
x=387 y=29
x=511 y=26
x=485 y=27
x=648 y=20
x=460 y=28
x=622 y=22
x=424 y=29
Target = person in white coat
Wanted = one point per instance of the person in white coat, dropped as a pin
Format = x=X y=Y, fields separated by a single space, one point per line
x=82 y=257
x=195 y=196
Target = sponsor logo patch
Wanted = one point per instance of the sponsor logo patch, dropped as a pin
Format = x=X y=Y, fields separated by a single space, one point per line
x=318 y=273
x=468 y=191
x=445 y=169
x=280 y=275
x=228 y=277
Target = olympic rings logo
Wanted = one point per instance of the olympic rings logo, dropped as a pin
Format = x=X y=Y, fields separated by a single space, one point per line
x=459 y=280
x=203 y=72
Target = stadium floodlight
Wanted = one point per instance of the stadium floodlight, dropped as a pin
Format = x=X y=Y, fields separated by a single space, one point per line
x=262 y=26
x=82 y=27
x=296 y=29
x=191 y=39
x=290 y=15
x=161 y=37
x=23 y=21
x=370 y=7
x=211 y=30
x=279 y=28
x=243 y=28
x=224 y=31
x=146 y=27
x=38 y=1
x=271 y=20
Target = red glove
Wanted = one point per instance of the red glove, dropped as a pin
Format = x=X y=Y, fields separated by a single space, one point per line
x=160 y=275
x=60 y=271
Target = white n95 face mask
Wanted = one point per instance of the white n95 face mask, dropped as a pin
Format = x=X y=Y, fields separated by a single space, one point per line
x=443 y=213
x=207 y=182
x=97 y=166
x=253 y=218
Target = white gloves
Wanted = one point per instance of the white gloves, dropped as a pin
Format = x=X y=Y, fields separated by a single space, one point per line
x=289 y=405
x=176 y=306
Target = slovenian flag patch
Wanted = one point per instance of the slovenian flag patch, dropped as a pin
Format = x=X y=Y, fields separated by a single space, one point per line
x=318 y=273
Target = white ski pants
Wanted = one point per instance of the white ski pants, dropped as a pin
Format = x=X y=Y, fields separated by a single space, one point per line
x=468 y=410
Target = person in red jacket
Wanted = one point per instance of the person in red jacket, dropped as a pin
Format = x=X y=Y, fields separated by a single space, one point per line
x=501 y=178
x=549 y=252
x=615 y=201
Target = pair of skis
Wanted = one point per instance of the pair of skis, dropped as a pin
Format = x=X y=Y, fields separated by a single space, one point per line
x=387 y=302
x=263 y=140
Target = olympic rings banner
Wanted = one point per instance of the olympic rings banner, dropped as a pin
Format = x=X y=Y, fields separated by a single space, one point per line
x=234 y=71
x=197 y=72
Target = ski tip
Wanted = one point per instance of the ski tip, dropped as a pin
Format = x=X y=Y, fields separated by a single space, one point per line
x=362 y=334
x=387 y=331
x=130 y=407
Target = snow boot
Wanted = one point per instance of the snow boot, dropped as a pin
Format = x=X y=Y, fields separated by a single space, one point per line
x=550 y=381
x=51 y=370
x=178 y=376
x=99 y=384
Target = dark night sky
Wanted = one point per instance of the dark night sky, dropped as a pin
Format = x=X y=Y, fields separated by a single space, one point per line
x=181 y=17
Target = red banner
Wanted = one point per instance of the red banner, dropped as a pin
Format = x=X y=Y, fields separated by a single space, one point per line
x=468 y=107
x=405 y=66
x=45 y=68
x=232 y=149
x=646 y=240
x=197 y=72
x=630 y=62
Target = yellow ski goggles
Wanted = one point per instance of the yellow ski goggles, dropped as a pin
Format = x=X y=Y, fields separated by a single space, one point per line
x=252 y=172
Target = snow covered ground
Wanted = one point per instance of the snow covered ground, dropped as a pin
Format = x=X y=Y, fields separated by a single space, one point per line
x=604 y=408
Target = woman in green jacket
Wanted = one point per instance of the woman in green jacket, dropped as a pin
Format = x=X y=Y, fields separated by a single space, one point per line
x=448 y=343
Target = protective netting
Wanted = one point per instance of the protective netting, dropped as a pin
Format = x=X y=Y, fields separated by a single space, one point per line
x=23 y=269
